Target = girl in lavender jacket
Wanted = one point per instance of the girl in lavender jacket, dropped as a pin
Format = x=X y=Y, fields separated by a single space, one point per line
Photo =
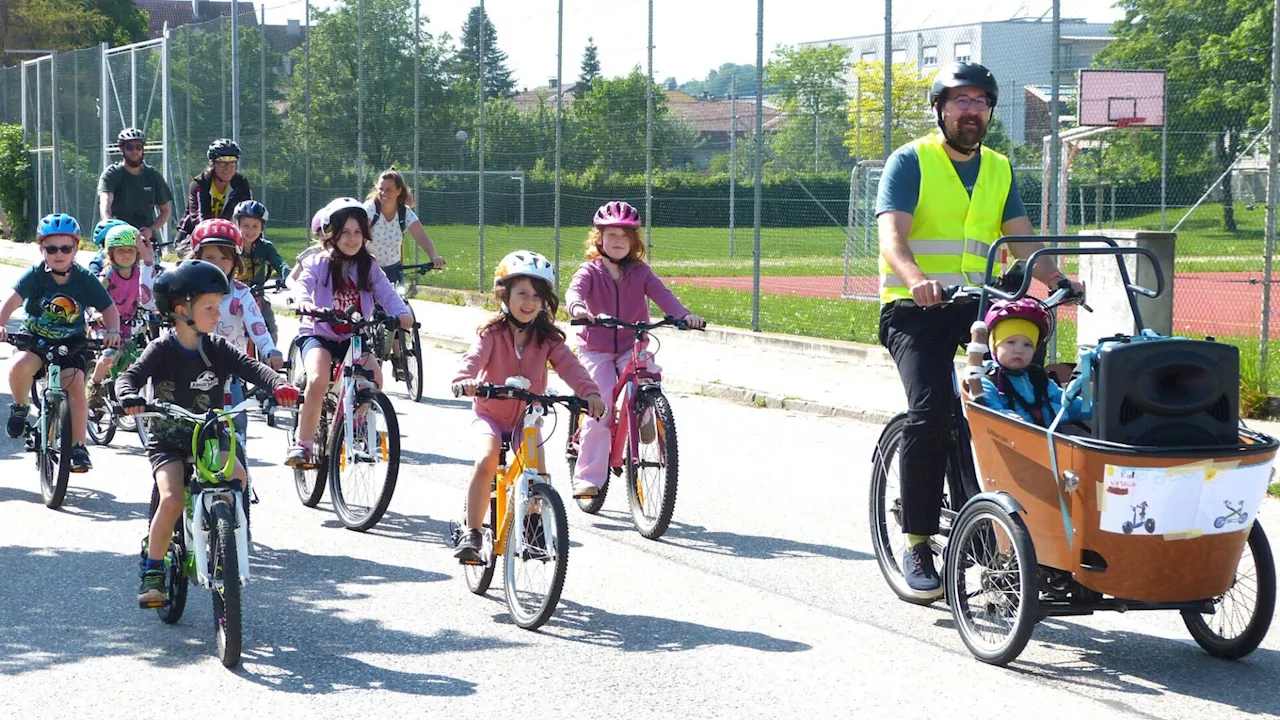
x=517 y=342
x=615 y=282
x=342 y=277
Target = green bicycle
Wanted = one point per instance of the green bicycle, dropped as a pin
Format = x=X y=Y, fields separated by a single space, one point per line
x=210 y=546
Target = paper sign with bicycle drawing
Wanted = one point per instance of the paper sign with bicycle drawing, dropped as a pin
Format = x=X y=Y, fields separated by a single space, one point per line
x=1194 y=499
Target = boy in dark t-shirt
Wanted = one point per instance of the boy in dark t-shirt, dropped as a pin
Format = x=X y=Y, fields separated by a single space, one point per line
x=189 y=367
x=55 y=293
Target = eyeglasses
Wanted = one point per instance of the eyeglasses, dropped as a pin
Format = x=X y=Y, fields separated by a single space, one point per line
x=133 y=147
x=60 y=249
x=227 y=160
x=964 y=102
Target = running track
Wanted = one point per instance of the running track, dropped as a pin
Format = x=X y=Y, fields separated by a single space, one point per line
x=1221 y=303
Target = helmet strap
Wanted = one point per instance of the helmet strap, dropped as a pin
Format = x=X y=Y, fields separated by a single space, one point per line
x=59 y=273
x=512 y=319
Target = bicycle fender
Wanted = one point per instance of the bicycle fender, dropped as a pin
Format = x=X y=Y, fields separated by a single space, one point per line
x=1003 y=499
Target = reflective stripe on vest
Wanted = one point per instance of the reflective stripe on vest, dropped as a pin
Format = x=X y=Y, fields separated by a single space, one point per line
x=951 y=232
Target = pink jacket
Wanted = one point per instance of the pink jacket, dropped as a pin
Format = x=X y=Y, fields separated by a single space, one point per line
x=594 y=289
x=492 y=358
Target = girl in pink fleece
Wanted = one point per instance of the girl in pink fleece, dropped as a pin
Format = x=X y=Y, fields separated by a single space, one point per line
x=519 y=341
x=615 y=282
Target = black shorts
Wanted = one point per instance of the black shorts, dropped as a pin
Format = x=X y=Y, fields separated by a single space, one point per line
x=70 y=361
x=395 y=272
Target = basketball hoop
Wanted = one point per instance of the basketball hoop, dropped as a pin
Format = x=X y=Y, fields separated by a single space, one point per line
x=1130 y=122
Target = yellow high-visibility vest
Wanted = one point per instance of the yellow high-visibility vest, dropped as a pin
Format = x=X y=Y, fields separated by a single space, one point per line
x=951 y=231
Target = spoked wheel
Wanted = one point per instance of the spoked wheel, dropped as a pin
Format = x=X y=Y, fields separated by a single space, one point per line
x=887 y=537
x=225 y=572
x=537 y=556
x=1242 y=616
x=992 y=581
x=588 y=505
x=652 y=478
x=102 y=425
x=175 y=577
x=361 y=485
x=55 y=453
x=409 y=362
x=310 y=483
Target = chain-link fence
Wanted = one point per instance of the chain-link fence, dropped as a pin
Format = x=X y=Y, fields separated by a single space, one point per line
x=322 y=104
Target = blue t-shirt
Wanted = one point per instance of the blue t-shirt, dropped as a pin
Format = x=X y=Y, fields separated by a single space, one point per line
x=900 y=184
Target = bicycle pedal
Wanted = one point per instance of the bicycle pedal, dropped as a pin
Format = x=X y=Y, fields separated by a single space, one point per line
x=152 y=605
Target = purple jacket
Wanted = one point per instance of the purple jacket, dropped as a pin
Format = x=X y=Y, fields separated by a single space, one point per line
x=317 y=289
x=594 y=289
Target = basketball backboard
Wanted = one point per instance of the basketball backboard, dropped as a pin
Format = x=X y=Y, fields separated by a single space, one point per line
x=1120 y=97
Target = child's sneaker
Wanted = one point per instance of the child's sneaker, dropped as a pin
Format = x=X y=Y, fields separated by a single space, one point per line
x=95 y=395
x=584 y=489
x=152 y=592
x=299 y=456
x=17 y=420
x=468 y=548
x=80 y=459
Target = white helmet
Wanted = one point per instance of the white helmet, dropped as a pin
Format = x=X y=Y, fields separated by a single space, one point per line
x=525 y=262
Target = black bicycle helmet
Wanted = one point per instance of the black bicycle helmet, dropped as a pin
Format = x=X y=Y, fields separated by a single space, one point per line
x=130 y=134
x=185 y=281
x=957 y=75
x=223 y=147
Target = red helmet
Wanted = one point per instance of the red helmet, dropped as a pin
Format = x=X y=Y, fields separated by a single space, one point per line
x=617 y=214
x=1027 y=308
x=217 y=232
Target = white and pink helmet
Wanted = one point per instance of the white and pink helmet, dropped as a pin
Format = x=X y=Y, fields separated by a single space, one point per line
x=617 y=214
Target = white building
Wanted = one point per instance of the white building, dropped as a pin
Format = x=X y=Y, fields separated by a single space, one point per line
x=1018 y=52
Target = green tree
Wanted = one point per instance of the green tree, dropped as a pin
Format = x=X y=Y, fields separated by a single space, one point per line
x=497 y=76
x=811 y=83
x=911 y=116
x=388 y=93
x=605 y=128
x=590 y=69
x=1217 y=57
x=69 y=24
x=718 y=82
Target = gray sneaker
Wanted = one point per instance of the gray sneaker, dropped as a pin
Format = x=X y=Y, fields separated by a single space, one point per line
x=919 y=572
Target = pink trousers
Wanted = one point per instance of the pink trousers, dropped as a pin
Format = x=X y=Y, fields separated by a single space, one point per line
x=593 y=456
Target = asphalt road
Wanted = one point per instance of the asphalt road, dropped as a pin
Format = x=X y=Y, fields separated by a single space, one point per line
x=762 y=599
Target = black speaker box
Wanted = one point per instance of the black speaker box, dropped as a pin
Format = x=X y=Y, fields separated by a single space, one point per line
x=1167 y=392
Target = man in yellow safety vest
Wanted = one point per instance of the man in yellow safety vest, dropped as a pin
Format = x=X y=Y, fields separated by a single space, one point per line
x=943 y=199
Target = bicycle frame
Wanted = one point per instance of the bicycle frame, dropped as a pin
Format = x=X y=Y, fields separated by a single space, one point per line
x=344 y=377
x=513 y=481
x=635 y=374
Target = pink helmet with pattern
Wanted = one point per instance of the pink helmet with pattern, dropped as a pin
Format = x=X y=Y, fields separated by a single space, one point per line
x=1027 y=308
x=617 y=214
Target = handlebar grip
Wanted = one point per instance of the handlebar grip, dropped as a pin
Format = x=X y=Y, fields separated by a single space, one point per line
x=579 y=321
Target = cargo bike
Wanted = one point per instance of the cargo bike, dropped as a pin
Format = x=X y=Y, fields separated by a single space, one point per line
x=1149 y=505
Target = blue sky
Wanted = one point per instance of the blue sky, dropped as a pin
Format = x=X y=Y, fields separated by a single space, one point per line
x=693 y=36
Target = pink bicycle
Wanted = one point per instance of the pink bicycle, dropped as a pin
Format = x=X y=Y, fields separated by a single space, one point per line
x=643 y=432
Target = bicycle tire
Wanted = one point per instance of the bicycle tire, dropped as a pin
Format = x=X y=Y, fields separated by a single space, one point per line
x=411 y=360
x=102 y=425
x=175 y=576
x=348 y=514
x=1255 y=631
x=310 y=483
x=543 y=610
x=653 y=526
x=225 y=566
x=882 y=525
x=480 y=577
x=56 y=469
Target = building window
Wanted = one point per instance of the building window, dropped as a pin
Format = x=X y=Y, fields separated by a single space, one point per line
x=868 y=56
x=899 y=55
x=964 y=51
x=930 y=56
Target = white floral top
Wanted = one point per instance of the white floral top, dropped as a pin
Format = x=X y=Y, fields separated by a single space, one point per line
x=387 y=244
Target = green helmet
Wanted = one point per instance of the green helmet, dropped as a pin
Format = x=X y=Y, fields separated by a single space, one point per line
x=122 y=236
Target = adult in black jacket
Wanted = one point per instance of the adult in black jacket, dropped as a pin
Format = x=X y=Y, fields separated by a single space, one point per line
x=214 y=193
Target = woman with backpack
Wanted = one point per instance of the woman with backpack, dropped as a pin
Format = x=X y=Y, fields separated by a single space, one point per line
x=214 y=193
x=390 y=208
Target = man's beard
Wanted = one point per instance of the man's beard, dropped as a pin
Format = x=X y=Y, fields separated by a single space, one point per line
x=970 y=135
x=133 y=163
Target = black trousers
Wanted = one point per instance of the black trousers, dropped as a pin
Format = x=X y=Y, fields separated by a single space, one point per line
x=923 y=345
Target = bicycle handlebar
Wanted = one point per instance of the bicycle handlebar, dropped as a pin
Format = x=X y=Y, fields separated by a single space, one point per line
x=19 y=339
x=420 y=267
x=162 y=409
x=615 y=323
x=354 y=319
x=508 y=392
